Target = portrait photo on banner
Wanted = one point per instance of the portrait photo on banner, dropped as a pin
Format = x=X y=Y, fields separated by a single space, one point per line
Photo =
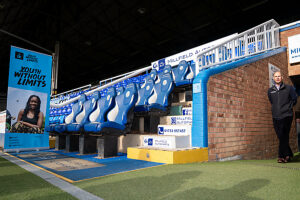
x=27 y=109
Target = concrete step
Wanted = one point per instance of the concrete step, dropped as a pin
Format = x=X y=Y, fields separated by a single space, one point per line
x=176 y=120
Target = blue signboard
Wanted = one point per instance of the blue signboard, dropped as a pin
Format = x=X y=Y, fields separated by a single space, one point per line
x=28 y=99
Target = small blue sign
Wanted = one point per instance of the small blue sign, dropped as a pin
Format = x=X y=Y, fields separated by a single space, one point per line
x=160 y=130
x=150 y=141
x=161 y=63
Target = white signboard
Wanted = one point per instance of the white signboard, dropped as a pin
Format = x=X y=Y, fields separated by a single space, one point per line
x=272 y=70
x=187 y=111
x=294 y=48
x=159 y=142
x=174 y=129
x=180 y=120
x=187 y=55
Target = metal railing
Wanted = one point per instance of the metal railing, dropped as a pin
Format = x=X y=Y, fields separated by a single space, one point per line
x=113 y=81
x=256 y=40
x=73 y=90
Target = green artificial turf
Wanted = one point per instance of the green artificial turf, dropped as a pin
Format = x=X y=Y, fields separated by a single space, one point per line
x=232 y=180
x=17 y=183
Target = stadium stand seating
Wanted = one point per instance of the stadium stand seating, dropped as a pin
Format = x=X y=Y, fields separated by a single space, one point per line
x=99 y=115
x=83 y=117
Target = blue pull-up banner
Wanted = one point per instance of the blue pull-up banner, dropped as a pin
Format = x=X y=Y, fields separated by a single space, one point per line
x=28 y=99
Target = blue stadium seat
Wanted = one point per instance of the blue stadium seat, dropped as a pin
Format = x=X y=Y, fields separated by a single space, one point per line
x=118 y=123
x=192 y=71
x=180 y=72
x=152 y=75
x=143 y=96
x=83 y=117
x=159 y=100
x=104 y=105
x=165 y=70
x=76 y=108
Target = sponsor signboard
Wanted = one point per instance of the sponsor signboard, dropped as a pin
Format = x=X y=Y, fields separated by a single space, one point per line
x=28 y=99
x=294 y=49
x=180 y=120
x=174 y=129
x=159 y=142
x=187 y=55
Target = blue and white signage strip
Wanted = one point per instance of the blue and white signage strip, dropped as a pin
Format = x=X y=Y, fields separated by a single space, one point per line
x=174 y=129
x=29 y=79
x=187 y=111
x=187 y=55
x=294 y=48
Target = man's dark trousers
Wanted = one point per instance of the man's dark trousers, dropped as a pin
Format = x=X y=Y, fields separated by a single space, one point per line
x=282 y=128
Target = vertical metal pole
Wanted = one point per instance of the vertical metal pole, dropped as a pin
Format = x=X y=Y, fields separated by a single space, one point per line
x=53 y=75
x=56 y=58
x=197 y=67
x=246 y=44
x=265 y=38
x=256 y=41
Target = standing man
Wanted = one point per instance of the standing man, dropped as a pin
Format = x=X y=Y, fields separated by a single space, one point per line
x=282 y=98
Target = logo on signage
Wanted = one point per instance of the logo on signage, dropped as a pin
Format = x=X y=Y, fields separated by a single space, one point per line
x=150 y=141
x=154 y=66
x=31 y=58
x=19 y=55
x=173 y=120
x=160 y=130
x=161 y=64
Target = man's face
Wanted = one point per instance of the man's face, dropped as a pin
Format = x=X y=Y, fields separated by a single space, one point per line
x=277 y=78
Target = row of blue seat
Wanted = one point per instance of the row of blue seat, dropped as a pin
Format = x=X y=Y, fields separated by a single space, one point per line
x=99 y=113
x=114 y=112
x=182 y=74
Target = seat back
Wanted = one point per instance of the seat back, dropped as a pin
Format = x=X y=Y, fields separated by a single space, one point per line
x=76 y=108
x=162 y=90
x=124 y=104
x=167 y=69
x=104 y=104
x=88 y=107
x=191 y=72
x=152 y=76
x=145 y=92
x=179 y=72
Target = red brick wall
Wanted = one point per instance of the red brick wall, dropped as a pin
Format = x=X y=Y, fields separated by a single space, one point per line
x=239 y=113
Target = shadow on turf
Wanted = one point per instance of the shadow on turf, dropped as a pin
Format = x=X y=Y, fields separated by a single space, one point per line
x=146 y=187
x=296 y=157
x=236 y=192
x=168 y=187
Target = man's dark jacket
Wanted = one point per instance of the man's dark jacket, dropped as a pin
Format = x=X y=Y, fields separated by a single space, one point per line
x=282 y=100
